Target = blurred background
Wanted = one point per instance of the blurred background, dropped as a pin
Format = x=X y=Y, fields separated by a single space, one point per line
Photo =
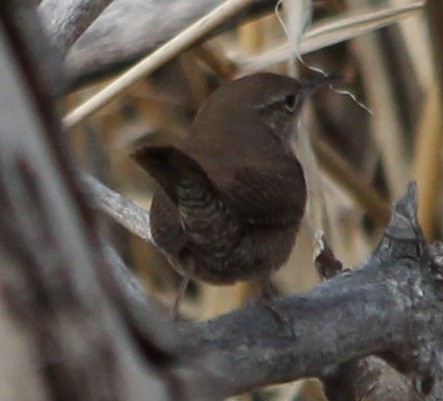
x=363 y=162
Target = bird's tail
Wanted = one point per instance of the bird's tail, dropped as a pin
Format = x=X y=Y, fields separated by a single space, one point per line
x=175 y=171
x=201 y=207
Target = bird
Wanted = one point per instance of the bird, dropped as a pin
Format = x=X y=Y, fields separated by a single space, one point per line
x=232 y=194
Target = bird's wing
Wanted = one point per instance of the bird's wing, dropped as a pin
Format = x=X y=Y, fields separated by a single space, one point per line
x=266 y=197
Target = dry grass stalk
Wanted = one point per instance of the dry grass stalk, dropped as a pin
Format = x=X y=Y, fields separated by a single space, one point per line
x=427 y=160
x=331 y=31
x=156 y=59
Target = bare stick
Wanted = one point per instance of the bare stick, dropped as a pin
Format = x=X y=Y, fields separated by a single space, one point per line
x=155 y=60
x=427 y=162
x=331 y=31
x=122 y=210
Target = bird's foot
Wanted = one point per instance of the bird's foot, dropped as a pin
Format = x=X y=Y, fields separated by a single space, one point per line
x=280 y=314
x=173 y=313
x=267 y=299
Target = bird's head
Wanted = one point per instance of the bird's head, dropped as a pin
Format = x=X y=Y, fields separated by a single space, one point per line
x=273 y=100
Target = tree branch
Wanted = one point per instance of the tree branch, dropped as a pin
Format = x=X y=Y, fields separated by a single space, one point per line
x=67 y=20
x=121 y=209
x=394 y=297
x=370 y=379
x=384 y=296
x=155 y=60
x=146 y=25
x=389 y=306
x=365 y=379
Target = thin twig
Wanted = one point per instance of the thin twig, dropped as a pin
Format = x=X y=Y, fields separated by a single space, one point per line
x=329 y=32
x=121 y=209
x=434 y=11
x=414 y=33
x=155 y=60
x=427 y=160
x=385 y=122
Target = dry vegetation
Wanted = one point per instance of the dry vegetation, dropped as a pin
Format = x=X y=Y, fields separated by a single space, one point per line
x=389 y=54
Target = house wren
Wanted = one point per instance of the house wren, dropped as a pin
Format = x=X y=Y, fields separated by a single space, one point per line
x=232 y=194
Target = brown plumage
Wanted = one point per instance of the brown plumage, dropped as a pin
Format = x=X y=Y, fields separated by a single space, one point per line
x=232 y=195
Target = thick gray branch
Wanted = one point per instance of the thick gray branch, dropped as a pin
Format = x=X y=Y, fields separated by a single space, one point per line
x=129 y=29
x=370 y=379
x=66 y=20
x=380 y=308
x=390 y=306
x=364 y=379
x=358 y=314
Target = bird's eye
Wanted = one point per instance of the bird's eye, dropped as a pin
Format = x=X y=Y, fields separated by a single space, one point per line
x=290 y=103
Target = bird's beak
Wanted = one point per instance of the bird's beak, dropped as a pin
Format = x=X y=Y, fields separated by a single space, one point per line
x=310 y=86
